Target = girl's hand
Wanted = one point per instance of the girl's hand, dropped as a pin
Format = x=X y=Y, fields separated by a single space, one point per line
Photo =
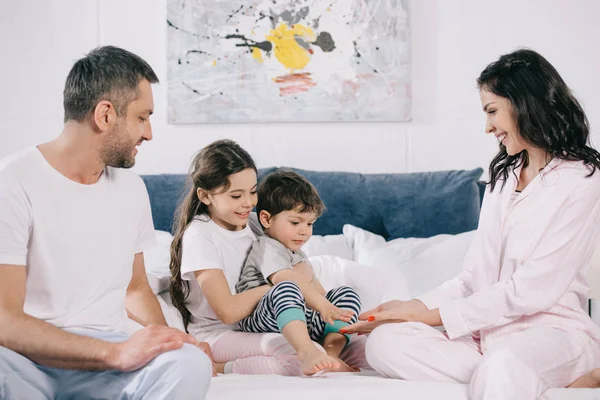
x=330 y=313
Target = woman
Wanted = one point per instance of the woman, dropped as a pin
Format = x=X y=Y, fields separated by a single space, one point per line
x=515 y=317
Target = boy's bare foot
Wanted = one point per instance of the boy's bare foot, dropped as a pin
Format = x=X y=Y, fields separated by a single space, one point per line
x=589 y=380
x=316 y=361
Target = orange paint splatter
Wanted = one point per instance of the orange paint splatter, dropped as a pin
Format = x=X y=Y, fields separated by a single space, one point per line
x=294 y=83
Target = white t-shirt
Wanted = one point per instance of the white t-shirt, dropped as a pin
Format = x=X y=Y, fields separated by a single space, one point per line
x=206 y=245
x=76 y=241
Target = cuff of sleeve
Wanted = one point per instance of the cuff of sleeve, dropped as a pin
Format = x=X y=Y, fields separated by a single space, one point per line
x=431 y=300
x=289 y=315
x=11 y=259
x=453 y=320
x=335 y=328
x=146 y=245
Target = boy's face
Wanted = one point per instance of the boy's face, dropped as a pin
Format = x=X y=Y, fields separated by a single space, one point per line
x=290 y=228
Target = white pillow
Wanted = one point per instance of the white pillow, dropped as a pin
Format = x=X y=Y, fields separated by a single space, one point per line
x=374 y=286
x=425 y=263
x=329 y=245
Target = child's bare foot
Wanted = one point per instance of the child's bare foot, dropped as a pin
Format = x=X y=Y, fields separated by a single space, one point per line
x=589 y=380
x=317 y=361
x=344 y=368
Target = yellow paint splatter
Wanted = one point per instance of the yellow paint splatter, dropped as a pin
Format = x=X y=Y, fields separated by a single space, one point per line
x=286 y=48
x=329 y=9
x=214 y=63
x=257 y=54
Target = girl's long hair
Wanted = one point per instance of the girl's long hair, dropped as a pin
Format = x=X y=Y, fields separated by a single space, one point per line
x=547 y=115
x=210 y=170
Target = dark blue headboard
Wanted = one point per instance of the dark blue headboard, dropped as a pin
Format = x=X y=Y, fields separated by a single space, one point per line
x=392 y=205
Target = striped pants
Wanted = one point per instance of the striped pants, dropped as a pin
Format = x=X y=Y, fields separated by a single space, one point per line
x=285 y=303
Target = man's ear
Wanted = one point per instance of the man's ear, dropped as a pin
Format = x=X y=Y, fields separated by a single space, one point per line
x=105 y=115
x=203 y=196
x=265 y=219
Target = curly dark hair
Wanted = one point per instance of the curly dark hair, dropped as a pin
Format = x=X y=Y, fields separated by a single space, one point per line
x=546 y=113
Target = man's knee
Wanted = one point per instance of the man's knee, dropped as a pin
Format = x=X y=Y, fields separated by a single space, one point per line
x=187 y=363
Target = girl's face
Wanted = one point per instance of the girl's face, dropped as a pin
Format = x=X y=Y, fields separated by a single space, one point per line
x=230 y=209
x=501 y=123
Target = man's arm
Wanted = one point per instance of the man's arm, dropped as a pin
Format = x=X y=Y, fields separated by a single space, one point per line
x=141 y=303
x=51 y=346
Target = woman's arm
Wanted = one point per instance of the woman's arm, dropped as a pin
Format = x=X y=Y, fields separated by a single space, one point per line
x=561 y=245
x=230 y=308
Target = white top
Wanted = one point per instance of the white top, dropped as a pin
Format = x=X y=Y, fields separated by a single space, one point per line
x=528 y=262
x=76 y=241
x=206 y=245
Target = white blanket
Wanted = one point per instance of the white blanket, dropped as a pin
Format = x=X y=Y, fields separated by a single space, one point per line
x=346 y=386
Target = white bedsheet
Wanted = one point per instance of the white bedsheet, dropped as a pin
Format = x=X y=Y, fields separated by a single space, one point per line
x=364 y=386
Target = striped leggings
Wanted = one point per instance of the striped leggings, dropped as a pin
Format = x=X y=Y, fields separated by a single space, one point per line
x=285 y=303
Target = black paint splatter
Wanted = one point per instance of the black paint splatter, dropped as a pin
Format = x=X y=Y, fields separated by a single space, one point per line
x=191 y=88
x=200 y=52
x=325 y=42
x=235 y=12
x=169 y=23
x=356 y=50
x=265 y=46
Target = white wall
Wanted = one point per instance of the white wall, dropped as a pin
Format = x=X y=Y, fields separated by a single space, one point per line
x=452 y=42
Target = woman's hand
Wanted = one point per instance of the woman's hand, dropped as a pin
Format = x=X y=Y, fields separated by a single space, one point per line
x=378 y=319
x=390 y=312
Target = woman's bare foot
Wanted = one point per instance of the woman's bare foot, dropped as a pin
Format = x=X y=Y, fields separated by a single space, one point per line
x=589 y=380
x=317 y=361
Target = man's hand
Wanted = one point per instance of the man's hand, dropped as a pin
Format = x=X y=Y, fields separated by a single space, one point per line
x=144 y=345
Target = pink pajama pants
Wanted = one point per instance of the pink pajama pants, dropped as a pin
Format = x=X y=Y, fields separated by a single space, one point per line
x=270 y=353
x=518 y=366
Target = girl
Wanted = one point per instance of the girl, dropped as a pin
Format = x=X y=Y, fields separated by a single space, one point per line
x=211 y=242
x=515 y=318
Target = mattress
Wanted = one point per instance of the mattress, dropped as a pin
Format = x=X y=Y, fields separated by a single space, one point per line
x=365 y=386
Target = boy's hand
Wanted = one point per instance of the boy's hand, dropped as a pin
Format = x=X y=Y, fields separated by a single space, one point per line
x=330 y=313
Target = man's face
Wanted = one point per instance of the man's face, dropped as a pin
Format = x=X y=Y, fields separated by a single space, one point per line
x=120 y=148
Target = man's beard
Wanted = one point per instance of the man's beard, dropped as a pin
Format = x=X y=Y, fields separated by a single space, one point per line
x=117 y=152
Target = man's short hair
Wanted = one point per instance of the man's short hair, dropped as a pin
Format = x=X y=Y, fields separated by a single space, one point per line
x=106 y=73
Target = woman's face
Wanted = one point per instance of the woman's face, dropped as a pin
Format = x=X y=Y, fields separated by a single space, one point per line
x=500 y=122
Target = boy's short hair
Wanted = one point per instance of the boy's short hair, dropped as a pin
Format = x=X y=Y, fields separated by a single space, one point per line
x=285 y=190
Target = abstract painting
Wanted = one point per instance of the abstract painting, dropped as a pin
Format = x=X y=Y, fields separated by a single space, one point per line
x=288 y=61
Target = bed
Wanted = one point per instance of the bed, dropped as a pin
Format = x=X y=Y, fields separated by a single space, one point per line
x=389 y=236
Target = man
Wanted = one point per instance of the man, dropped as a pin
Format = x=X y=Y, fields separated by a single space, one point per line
x=73 y=227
